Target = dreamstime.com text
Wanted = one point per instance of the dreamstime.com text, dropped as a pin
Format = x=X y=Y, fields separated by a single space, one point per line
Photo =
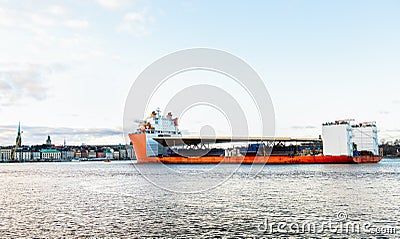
x=339 y=225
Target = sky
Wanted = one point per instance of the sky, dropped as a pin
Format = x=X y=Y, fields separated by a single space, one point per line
x=66 y=67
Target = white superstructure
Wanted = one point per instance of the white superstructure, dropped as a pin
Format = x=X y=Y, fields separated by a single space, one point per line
x=342 y=138
x=365 y=136
x=337 y=138
x=158 y=125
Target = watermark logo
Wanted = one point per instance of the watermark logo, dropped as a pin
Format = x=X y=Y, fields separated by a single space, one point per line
x=340 y=224
x=341 y=216
x=188 y=94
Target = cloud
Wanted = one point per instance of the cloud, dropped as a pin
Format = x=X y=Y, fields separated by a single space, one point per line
x=392 y=130
x=39 y=23
x=303 y=127
x=24 y=20
x=384 y=112
x=98 y=53
x=112 y=4
x=20 y=80
x=76 y=24
x=38 y=134
x=389 y=134
x=48 y=32
x=136 y=23
x=57 y=10
x=44 y=131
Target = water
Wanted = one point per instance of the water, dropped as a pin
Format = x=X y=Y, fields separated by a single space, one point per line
x=97 y=199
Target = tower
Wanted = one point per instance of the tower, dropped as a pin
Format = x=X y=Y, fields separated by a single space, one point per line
x=48 y=141
x=18 y=140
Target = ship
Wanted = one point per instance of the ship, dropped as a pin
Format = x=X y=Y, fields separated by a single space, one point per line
x=158 y=139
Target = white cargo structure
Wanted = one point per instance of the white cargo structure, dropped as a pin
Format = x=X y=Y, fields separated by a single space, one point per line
x=153 y=148
x=337 y=138
x=365 y=136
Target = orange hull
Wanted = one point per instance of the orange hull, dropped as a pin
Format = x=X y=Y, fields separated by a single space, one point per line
x=139 y=145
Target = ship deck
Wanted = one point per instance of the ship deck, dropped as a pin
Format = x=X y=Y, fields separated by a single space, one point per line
x=195 y=140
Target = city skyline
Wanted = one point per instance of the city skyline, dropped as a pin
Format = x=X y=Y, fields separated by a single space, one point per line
x=66 y=67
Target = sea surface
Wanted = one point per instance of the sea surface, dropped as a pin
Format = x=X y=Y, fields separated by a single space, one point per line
x=99 y=199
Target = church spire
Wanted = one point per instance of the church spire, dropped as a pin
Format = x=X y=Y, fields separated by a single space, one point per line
x=18 y=140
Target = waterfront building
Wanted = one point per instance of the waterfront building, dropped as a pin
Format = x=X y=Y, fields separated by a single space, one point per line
x=108 y=154
x=130 y=152
x=51 y=154
x=78 y=154
x=67 y=154
x=70 y=154
x=116 y=154
x=23 y=155
x=100 y=154
x=84 y=153
x=122 y=154
x=36 y=156
x=92 y=154
x=5 y=154
x=45 y=152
